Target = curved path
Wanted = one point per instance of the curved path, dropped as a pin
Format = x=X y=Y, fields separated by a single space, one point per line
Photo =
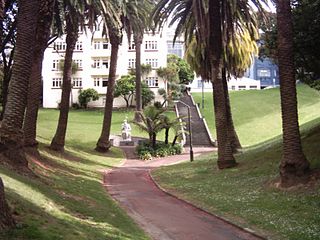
x=159 y=214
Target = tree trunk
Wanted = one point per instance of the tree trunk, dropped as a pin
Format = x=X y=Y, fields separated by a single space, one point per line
x=103 y=143
x=11 y=134
x=225 y=154
x=174 y=141
x=294 y=166
x=6 y=220
x=58 y=140
x=167 y=136
x=42 y=37
x=154 y=140
x=138 y=41
x=234 y=139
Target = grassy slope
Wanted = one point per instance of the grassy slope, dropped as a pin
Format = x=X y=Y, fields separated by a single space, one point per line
x=68 y=201
x=256 y=114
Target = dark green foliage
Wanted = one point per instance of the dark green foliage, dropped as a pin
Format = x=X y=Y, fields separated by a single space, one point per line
x=185 y=72
x=306 y=25
x=86 y=96
x=125 y=87
x=146 y=152
x=157 y=104
x=147 y=94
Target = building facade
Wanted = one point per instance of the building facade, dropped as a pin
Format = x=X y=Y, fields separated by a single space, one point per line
x=92 y=57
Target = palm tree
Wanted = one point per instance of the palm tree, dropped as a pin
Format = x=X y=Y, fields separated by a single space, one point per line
x=11 y=134
x=115 y=20
x=115 y=37
x=171 y=123
x=294 y=166
x=6 y=220
x=74 y=17
x=152 y=123
x=42 y=36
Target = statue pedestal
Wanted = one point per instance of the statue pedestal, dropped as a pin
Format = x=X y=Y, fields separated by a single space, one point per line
x=126 y=143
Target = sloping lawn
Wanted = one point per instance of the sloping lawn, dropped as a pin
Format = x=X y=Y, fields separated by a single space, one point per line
x=67 y=200
x=247 y=194
x=256 y=114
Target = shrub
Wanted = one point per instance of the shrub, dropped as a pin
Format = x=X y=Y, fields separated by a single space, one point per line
x=146 y=152
x=86 y=96
x=157 y=104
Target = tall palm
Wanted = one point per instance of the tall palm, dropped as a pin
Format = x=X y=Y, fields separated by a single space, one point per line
x=115 y=38
x=11 y=134
x=138 y=20
x=42 y=36
x=74 y=17
x=6 y=220
x=294 y=166
x=116 y=17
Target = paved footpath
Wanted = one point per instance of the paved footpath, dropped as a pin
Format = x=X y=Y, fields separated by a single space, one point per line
x=162 y=216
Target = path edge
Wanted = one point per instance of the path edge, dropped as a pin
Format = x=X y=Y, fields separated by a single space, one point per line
x=201 y=209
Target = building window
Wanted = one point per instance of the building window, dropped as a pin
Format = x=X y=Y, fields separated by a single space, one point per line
x=96 y=82
x=132 y=63
x=78 y=62
x=78 y=46
x=233 y=87
x=153 y=62
x=263 y=73
x=104 y=82
x=152 y=81
x=55 y=65
x=96 y=63
x=151 y=45
x=105 y=63
x=242 y=87
x=96 y=45
x=253 y=87
x=132 y=46
x=105 y=45
x=199 y=83
x=56 y=82
x=77 y=82
x=176 y=49
x=59 y=46
x=97 y=27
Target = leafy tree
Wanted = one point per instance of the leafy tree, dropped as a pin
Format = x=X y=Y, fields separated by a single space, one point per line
x=171 y=124
x=147 y=94
x=306 y=38
x=186 y=74
x=86 y=96
x=125 y=87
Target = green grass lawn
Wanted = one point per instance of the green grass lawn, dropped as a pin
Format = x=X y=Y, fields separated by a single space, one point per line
x=246 y=194
x=256 y=114
x=84 y=127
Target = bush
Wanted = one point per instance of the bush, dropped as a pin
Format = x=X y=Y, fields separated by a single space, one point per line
x=146 y=152
x=86 y=96
x=157 y=104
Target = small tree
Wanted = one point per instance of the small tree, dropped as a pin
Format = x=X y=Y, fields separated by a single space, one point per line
x=86 y=96
x=171 y=123
x=152 y=123
x=185 y=73
x=125 y=87
x=147 y=94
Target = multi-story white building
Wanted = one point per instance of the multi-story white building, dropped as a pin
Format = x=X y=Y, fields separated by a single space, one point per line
x=92 y=56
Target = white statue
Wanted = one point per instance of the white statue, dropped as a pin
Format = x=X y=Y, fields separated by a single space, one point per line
x=126 y=131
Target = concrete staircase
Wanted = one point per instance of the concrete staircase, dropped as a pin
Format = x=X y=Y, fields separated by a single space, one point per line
x=200 y=133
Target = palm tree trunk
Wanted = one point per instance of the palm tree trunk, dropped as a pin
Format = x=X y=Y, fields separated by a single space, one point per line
x=6 y=220
x=58 y=140
x=166 y=141
x=103 y=143
x=294 y=166
x=154 y=140
x=42 y=37
x=138 y=41
x=225 y=154
x=234 y=139
x=11 y=134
